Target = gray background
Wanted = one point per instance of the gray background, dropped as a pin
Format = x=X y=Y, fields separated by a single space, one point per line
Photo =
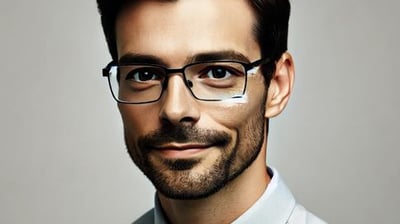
x=63 y=160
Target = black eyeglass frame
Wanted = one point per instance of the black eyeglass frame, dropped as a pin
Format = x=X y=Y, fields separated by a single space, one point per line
x=247 y=67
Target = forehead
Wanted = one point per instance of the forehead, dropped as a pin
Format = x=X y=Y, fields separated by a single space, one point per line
x=178 y=29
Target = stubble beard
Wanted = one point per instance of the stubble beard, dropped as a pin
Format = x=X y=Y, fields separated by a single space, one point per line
x=177 y=179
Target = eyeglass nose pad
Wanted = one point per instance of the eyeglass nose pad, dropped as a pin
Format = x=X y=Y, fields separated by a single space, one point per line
x=164 y=84
x=189 y=83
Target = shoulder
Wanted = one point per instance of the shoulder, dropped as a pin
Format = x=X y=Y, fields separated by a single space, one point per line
x=301 y=216
x=147 y=218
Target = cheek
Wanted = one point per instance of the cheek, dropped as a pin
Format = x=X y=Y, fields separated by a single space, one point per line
x=230 y=114
x=138 y=120
x=236 y=115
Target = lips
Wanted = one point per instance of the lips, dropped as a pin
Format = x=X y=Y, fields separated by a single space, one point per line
x=181 y=151
x=181 y=146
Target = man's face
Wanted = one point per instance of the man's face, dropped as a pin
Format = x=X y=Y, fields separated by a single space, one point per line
x=189 y=148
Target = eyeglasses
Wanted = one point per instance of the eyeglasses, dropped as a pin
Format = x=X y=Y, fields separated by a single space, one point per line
x=207 y=81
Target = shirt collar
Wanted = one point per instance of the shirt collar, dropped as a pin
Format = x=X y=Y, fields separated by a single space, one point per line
x=274 y=206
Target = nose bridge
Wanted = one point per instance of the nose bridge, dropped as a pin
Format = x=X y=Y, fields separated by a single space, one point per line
x=178 y=104
x=174 y=72
x=175 y=82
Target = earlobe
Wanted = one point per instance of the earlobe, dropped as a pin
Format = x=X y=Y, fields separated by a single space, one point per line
x=280 y=87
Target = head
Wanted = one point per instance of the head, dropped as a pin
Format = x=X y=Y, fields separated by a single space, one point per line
x=187 y=147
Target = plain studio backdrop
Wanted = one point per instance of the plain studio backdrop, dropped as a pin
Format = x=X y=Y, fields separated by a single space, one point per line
x=63 y=159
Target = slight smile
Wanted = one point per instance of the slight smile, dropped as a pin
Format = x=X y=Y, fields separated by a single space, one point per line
x=181 y=151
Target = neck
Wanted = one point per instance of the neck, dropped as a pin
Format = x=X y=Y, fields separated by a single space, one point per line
x=227 y=204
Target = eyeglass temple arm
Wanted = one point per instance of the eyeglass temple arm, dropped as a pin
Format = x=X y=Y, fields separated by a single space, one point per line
x=106 y=70
x=258 y=63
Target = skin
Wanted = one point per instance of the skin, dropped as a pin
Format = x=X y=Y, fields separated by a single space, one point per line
x=175 y=32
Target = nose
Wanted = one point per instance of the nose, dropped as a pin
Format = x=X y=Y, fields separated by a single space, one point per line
x=178 y=105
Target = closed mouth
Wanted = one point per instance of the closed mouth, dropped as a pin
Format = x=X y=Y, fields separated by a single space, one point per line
x=181 y=147
x=182 y=151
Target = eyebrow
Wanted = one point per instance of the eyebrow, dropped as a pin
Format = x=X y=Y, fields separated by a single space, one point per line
x=130 y=58
x=218 y=55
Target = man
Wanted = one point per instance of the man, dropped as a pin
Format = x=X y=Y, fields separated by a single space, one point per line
x=196 y=83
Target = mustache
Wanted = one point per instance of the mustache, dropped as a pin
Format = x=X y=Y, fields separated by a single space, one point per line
x=183 y=134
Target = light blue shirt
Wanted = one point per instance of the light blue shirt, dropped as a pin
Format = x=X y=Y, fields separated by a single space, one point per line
x=276 y=205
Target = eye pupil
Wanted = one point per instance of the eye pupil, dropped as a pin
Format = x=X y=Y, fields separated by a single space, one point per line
x=219 y=73
x=144 y=76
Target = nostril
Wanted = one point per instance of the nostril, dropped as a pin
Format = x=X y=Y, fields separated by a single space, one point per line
x=183 y=121
x=187 y=120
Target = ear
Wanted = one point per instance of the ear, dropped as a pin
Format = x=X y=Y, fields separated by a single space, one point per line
x=280 y=86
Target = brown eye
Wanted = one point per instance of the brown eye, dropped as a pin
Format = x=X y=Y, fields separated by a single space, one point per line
x=144 y=74
x=217 y=72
